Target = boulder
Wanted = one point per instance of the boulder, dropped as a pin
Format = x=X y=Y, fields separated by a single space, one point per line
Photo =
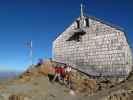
x=46 y=68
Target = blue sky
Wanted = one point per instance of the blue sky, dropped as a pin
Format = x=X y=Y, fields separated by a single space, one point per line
x=42 y=20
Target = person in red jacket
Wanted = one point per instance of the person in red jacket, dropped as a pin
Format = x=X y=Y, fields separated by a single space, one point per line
x=57 y=73
x=62 y=72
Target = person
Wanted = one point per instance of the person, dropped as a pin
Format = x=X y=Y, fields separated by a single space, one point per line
x=62 y=72
x=68 y=75
x=68 y=69
x=57 y=74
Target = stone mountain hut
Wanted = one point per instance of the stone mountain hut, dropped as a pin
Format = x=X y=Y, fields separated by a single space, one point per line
x=94 y=47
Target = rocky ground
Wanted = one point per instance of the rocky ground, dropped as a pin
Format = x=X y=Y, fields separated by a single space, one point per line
x=34 y=84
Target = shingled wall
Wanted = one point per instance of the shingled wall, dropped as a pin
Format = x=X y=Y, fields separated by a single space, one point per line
x=103 y=50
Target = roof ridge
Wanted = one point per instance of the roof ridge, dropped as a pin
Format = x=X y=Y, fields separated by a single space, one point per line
x=105 y=22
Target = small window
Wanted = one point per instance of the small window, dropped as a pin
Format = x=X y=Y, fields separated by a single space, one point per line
x=76 y=36
x=87 y=22
x=78 y=24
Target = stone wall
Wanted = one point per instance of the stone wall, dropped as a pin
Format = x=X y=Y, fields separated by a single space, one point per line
x=103 y=50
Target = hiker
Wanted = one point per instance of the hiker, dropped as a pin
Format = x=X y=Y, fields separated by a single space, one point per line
x=62 y=72
x=57 y=74
x=68 y=75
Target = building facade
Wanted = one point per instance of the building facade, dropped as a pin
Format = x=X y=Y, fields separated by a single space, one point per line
x=94 y=47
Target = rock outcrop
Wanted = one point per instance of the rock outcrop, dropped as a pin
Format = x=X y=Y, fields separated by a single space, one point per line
x=34 y=84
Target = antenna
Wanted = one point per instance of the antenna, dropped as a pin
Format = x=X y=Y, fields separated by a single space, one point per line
x=81 y=16
x=29 y=46
x=31 y=52
x=81 y=10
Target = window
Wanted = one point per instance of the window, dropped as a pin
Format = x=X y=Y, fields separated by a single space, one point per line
x=87 y=22
x=76 y=36
x=78 y=24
